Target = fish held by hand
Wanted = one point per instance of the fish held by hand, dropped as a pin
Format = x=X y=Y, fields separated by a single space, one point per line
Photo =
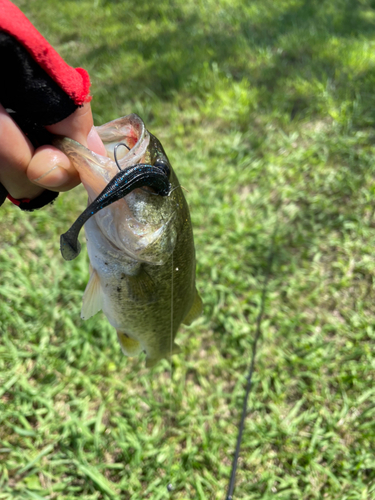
x=139 y=239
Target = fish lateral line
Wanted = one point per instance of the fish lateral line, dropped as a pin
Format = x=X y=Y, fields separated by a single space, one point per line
x=123 y=183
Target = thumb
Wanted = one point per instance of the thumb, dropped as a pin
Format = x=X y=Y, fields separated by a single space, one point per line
x=80 y=127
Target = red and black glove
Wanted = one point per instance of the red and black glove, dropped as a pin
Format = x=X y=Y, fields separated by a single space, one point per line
x=37 y=88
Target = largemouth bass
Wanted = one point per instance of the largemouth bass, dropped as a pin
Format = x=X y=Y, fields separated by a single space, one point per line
x=141 y=247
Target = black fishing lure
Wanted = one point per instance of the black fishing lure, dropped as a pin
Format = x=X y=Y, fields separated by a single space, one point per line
x=140 y=175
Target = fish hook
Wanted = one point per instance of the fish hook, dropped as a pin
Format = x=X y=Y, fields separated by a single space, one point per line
x=115 y=153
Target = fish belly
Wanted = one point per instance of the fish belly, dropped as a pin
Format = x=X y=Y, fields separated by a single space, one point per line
x=137 y=298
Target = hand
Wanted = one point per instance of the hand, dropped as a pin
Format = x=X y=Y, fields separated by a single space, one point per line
x=25 y=171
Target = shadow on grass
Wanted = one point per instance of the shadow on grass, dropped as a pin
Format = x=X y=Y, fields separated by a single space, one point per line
x=177 y=47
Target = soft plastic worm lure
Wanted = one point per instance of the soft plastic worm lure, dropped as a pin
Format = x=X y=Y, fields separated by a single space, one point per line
x=142 y=174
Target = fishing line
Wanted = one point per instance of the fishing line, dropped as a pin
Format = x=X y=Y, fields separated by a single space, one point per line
x=170 y=485
x=249 y=384
x=174 y=189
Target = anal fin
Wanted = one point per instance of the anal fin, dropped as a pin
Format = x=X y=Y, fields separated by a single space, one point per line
x=93 y=296
x=130 y=347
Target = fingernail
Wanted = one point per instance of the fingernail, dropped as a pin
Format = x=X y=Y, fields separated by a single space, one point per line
x=55 y=177
x=95 y=143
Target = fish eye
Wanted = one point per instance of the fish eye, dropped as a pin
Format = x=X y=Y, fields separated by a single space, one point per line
x=164 y=166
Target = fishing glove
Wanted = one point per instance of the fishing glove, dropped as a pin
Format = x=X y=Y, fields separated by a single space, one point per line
x=40 y=88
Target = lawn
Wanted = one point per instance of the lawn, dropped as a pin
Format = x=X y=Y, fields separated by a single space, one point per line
x=267 y=112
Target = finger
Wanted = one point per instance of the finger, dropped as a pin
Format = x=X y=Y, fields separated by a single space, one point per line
x=51 y=169
x=80 y=127
x=16 y=152
x=76 y=126
x=95 y=143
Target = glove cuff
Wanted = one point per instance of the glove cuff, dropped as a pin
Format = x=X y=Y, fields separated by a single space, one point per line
x=74 y=82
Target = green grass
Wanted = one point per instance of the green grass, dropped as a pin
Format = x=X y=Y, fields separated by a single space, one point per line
x=267 y=111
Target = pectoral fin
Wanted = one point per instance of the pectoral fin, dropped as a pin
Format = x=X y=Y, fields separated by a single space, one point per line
x=93 y=296
x=195 y=310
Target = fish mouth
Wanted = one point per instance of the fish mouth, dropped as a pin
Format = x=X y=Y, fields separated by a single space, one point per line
x=153 y=175
x=129 y=129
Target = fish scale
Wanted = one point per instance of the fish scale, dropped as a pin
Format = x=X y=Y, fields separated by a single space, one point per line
x=135 y=244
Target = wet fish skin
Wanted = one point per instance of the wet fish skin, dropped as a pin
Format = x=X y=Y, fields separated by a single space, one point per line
x=141 y=249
